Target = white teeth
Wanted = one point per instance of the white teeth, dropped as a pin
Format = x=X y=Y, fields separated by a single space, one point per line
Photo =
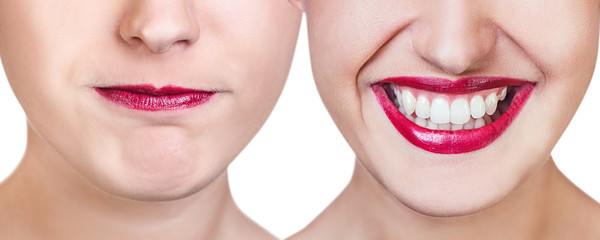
x=477 y=107
x=401 y=109
x=491 y=103
x=440 y=111
x=479 y=123
x=457 y=127
x=432 y=125
x=470 y=124
x=409 y=102
x=439 y=114
x=398 y=99
x=445 y=126
x=423 y=107
x=502 y=94
x=459 y=111
x=421 y=122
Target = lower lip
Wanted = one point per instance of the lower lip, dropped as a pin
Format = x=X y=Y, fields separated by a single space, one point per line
x=452 y=142
x=149 y=98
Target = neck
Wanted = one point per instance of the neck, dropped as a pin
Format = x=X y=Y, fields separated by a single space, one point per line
x=546 y=206
x=49 y=199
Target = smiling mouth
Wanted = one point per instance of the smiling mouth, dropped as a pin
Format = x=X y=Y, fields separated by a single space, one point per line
x=452 y=117
x=148 y=98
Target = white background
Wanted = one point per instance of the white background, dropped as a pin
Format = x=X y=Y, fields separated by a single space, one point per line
x=299 y=162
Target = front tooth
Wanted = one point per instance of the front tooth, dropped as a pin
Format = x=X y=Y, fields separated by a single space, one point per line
x=423 y=107
x=459 y=111
x=409 y=102
x=477 y=107
x=502 y=94
x=491 y=103
x=440 y=111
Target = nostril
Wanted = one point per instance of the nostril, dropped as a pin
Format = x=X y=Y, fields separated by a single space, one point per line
x=136 y=41
x=181 y=43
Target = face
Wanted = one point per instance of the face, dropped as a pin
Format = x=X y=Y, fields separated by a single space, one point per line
x=147 y=99
x=452 y=105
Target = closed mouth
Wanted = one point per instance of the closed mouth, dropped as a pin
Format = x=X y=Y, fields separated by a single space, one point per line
x=148 y=98
x=452 y=117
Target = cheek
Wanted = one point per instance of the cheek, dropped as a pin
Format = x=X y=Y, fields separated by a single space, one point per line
x=561 y=37
x=568 y=65
x=258 y=47
x=39 y=52
x=264 y=47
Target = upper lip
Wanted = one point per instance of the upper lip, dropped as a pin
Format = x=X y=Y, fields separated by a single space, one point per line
x=148 y=89
x=460 y=86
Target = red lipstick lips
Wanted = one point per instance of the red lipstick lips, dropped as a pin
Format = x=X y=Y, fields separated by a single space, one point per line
x=148 y=98
x=460 y=141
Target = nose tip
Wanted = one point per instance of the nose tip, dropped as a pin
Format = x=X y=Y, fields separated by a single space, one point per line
x=159 y=26
x=455 y=54
x=454 y=42
x=160 y=36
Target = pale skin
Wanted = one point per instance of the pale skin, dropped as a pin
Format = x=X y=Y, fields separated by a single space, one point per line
x=510 y=189
x=96 y=170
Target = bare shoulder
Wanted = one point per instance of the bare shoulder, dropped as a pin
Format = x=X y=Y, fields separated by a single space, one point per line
x=11 y=226
x=581 y=220
x=5 y=209
x=590 y=221
x=12 y=223
x=586 y=218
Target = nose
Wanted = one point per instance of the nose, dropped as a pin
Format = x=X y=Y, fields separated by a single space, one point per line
x=454 y=37
x=158 y=25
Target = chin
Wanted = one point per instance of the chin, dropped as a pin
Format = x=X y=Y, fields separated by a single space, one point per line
x=158 y=180
x=447 y=193
x=158 y=191
x=453 y=199
x=165 y=195
x=450 y=207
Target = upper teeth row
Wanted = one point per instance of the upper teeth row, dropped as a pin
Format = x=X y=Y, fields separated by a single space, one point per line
x=440 y=111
